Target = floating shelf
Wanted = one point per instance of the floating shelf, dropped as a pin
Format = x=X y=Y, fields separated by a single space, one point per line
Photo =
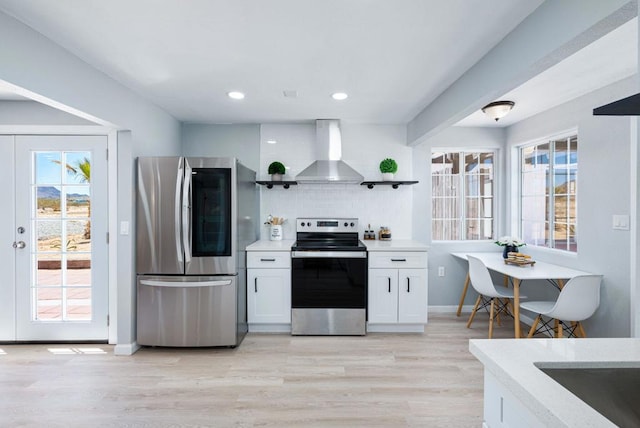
x=270 y=184
x=394 y=184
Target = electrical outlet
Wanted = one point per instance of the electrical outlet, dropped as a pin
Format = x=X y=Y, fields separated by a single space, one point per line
x=440 y=270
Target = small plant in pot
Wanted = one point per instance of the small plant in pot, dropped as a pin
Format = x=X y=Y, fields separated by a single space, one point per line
x=276 y=169
x=388 y=167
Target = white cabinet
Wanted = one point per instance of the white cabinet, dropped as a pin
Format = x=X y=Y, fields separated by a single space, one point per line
x=502 y=409
x=269 y=291
x=397 y=291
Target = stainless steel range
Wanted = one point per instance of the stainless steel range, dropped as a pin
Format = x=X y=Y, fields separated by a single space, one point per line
x=328 y=278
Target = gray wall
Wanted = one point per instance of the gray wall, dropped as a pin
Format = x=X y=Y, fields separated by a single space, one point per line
x=604 y=168
x=57 y=78
x=239 y=141
x=33 y=113
x=604 y=183
x=444 y=292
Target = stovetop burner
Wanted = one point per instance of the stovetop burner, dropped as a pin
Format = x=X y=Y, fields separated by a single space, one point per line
x=327 y=234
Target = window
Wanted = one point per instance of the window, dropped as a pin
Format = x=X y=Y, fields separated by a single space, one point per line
x=548 y=193
x=462 y=190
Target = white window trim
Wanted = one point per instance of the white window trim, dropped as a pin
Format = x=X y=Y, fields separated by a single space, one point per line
x=497 y=192
x=516 y=190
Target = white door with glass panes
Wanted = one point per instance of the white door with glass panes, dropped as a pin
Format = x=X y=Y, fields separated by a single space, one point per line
x=56 y=288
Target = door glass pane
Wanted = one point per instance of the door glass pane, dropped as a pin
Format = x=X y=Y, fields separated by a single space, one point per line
x=61 y=217
x=211 y=212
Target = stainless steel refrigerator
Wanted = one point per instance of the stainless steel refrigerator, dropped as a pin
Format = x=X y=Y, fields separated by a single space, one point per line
x=194 y=220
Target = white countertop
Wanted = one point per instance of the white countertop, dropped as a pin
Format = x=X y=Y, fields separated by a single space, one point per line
x=267 y=245
x=395 y=245
x=511 y=361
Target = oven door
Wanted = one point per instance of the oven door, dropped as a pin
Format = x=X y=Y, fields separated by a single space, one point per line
x=333 y=280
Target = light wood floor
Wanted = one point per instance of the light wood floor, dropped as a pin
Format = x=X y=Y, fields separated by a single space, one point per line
x=381 y=380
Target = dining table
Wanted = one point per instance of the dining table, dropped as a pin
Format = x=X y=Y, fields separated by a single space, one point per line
x=494 y=261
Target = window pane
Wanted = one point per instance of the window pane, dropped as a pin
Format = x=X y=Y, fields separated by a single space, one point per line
x=457 y=210
x=548 y=176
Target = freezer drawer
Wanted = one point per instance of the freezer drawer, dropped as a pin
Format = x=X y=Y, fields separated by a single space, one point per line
x=188 y=311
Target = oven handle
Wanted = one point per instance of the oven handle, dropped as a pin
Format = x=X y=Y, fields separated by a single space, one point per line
x=328 y=254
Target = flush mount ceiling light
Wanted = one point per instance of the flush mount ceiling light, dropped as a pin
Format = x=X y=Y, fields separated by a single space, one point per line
x=235 y=95
x=271 y=141
x=339 y=96
x=498 y=109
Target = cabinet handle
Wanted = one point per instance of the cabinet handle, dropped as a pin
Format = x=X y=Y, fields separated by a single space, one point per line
x=255 y=284
x=398 y=260
x=408 y=285
x=267 y=260
x=389 y=284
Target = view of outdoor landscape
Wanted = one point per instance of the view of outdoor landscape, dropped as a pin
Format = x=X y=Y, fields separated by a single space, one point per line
x=61 y=289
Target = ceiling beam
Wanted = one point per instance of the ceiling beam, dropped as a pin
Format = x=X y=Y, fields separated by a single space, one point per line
x=554 y=31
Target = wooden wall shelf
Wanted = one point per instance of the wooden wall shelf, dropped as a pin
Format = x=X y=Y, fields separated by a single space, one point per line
x=394 y=184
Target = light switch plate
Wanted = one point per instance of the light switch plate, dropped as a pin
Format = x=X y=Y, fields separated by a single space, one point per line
x=124 y=228
x=620 y=222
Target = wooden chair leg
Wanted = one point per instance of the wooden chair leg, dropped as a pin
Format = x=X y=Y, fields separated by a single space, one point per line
x=473 y=312
x=558 y=328
x=465 y=287
x=532 y=331
x=582 y=333
x=491 y=312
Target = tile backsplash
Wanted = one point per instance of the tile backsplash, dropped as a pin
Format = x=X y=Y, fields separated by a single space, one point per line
x=363 y=147
x=380 y=206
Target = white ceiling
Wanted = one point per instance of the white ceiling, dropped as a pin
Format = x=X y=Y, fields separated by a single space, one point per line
x=392 y=57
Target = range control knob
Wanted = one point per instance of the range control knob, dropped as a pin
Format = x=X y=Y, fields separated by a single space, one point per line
x=302 y=224
x=352 y=224
x=309 y=223
x=346 y=224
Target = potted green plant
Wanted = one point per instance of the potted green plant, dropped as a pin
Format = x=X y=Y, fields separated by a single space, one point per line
x=276 y=169
x=388 y=167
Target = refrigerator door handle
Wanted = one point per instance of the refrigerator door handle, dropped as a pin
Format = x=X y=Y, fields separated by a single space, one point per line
x=186 y=212
x=184 y=284
x=178 y=203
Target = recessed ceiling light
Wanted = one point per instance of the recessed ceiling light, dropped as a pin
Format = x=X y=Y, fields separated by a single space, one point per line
x=271 y=141
x=235 y=95
x=339 y=96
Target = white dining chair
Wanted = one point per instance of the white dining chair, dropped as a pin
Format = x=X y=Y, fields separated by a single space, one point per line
x=489 y=294
x=577 y=301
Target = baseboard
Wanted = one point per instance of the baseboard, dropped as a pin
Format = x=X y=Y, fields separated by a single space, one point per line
x=466 y=309
x=446 y=309
x=126 y=349
x=395 y=328
x=269 y=328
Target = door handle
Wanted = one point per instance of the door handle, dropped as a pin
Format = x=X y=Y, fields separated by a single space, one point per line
x=398 y=260
x=389 y=284
x=408 y=285
x=19 y=245
x=255 y=284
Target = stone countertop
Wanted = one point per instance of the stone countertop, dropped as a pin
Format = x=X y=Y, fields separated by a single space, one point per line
x=395 y=245
x=267 y=245
x=513 y=362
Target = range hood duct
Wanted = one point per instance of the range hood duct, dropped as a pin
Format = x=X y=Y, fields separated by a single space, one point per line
x=329 y=167
x=629 y=106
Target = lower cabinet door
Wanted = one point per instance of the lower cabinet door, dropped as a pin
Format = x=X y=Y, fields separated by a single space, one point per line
x=269 y=296
x=383 y=296
x=412 y=296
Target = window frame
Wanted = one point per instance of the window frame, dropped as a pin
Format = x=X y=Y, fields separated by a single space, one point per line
x=462 y=218
x=550 y=215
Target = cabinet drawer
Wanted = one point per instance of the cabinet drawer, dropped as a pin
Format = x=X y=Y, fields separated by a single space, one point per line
x=265 y=259
x=398 y=259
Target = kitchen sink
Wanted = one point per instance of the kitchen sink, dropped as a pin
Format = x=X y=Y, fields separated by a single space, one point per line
x=612 y=391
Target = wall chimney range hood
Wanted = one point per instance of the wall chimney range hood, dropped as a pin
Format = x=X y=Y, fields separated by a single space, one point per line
x=629 y=106
x=329 y=167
